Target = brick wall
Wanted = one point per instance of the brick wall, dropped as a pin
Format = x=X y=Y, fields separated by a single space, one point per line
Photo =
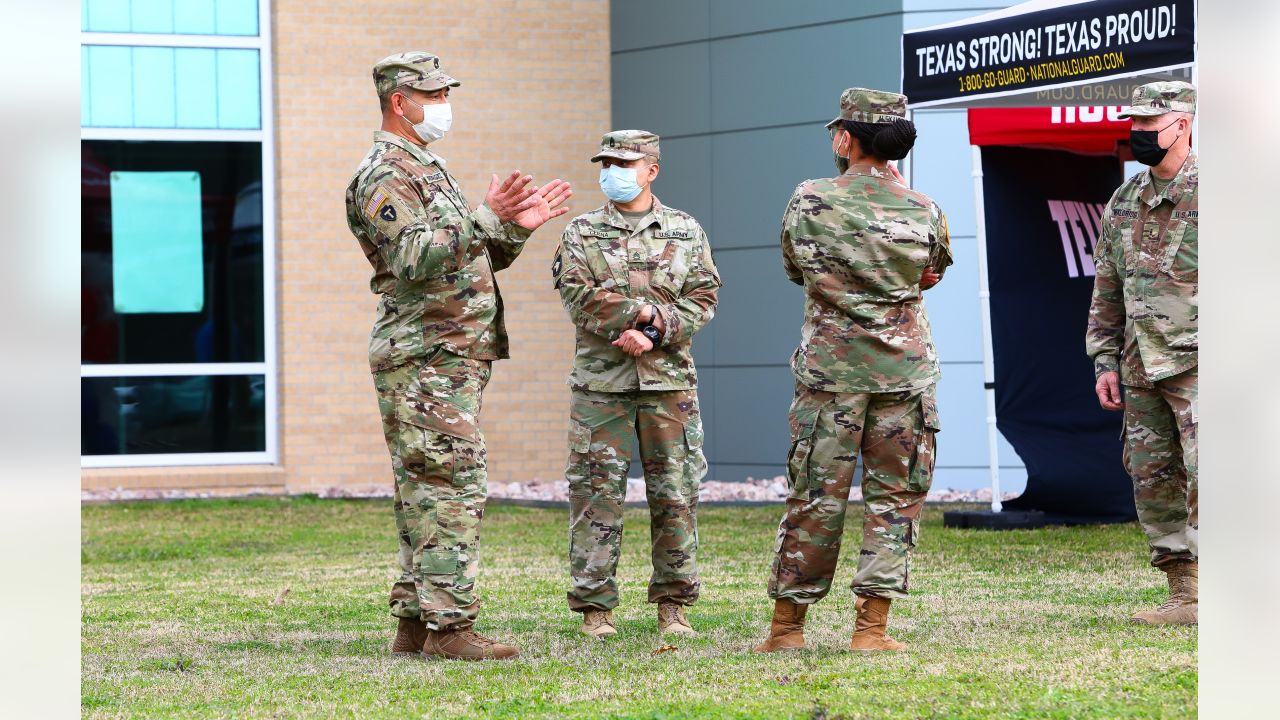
x=535 y=96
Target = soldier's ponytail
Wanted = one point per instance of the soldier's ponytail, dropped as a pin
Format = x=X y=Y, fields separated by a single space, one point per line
x=887 y=141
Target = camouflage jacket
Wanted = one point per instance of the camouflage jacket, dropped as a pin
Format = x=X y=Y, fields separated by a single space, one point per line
x=433 y=257
x=859 y=244
x=1144 y=316
x=606 y=271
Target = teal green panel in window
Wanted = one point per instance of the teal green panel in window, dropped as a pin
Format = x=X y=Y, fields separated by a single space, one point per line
x=152 y=16
x=194 y=17
x=84 y=16
x=157 y=256
x=85 y=116
x=106 y=15
x=154 y=101
x=197 y=81
x=239 y=101
x=237 y=17
x=111 y=86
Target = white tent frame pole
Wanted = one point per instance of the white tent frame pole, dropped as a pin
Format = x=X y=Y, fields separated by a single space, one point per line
x=988 y=359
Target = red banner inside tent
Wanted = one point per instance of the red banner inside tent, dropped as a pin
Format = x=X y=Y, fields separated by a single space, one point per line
x=1083 y=129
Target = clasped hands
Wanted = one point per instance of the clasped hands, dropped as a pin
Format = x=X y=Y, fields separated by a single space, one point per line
x=633 y=342
x=517 y=200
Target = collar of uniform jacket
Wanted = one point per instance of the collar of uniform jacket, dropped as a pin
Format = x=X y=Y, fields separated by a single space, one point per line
x=614 y=218
x=870 y=171
x=420 y=152
x=1173 y=191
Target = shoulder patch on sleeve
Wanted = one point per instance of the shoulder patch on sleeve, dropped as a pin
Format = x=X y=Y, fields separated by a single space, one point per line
x=387 y=212
x=376 y=202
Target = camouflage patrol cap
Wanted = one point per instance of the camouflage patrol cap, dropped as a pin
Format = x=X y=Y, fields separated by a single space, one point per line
x=420 y=70
x=870 y=106
x=1158 y=98
x=628 y=145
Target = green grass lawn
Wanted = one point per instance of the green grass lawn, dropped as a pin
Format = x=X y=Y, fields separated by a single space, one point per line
x=180 y=619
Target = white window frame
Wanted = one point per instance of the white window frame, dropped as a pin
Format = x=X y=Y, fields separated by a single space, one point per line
x=269 y=367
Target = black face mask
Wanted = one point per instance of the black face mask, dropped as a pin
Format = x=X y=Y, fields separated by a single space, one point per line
x=1145 y=145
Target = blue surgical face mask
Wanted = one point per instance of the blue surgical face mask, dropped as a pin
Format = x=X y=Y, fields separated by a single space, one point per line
x=619 y=183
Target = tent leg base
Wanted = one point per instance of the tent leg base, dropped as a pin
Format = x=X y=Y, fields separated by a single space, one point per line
x=987 y=520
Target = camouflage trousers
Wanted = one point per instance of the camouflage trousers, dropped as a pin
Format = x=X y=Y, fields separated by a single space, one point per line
x=429 y=415
x=669 y=430
x=1160 y=455
x=894 y=432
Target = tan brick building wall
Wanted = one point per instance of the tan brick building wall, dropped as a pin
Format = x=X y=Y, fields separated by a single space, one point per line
x=535 y=96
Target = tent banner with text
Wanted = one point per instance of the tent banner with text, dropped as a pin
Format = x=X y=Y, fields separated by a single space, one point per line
x=1046 y=44
x=1042 y=212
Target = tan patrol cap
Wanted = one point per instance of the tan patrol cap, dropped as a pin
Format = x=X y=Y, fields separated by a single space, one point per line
x=417 y=69
x=1158 y=98
x=628 y=145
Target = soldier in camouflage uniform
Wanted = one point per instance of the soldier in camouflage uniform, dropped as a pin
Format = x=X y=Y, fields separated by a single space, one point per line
x=637 y=280
x=864 y=246
x=439 y=327
x=1142 y=334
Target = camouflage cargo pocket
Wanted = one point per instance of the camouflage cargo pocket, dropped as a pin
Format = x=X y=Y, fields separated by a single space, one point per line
x=803 y=420
x=920 y=475
x=695 y=460
x=578 y=472
x=444 y=538
x=439 y=562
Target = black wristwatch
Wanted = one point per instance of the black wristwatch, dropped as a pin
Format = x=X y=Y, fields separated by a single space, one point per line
x=652 y=333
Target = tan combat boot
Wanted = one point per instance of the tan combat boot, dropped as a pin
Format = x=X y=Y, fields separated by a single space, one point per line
x=671 y=619
x=786 y=632
x=873 y=620
x=598 y=623
x=410 y=637
x=1183 y=605
x=465 y=644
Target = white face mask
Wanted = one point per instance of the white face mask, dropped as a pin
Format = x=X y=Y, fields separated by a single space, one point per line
x=436 y=120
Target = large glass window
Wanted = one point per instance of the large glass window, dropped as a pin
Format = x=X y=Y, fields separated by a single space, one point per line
x=169 y=87
x=177 y=294
x=154 y=300
x=183 y=17
x=172 y=415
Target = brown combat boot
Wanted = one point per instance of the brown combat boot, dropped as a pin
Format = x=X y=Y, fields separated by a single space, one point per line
x=671 y=619
x=786 y=632
x=410 y=637
x=465 y=644
x=1183 y=605
x=873 y=620
x=598 y=623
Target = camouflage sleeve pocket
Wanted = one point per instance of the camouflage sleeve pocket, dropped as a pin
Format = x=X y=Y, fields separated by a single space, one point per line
x=387 y=212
